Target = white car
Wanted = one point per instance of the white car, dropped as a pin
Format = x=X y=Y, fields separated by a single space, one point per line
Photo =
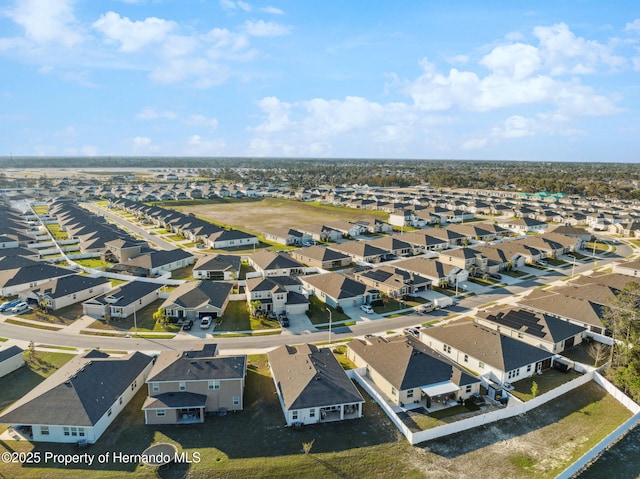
x=19 y=308
x=205 y=322
x=367 y=308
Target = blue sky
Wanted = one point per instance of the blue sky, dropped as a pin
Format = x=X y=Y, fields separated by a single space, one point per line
x=509 y=80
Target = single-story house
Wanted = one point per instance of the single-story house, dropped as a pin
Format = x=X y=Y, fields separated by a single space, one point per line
x=630 y=268
x=362 y=251
x=122 y=301
x=406 y=371
x=196 y=299
x=80 y=400
x=321 y=257
x=221 y=267
x=230 y=239
x=10 y=359
x=336 y=289
x=535 y=328
x=487 y=352
x=158 y=262
x=65 y=291
x=312 y=386
x=18 y=273
x=184 y=386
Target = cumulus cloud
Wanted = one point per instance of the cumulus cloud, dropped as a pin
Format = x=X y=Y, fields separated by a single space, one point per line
x=151 y=114
x=133 y=35
x=272 y=10
x=47 y=21
x=633 y=26
x=142 y=145
x=265 y=29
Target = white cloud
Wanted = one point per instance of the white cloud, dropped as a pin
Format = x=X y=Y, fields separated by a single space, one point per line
x=151 y=114
x=517 y=60
x=142 y=145
x=272 y=10
x=265 y=29
x=201 y=120
x=231 y=5
x=133 y=36
x=458 y=59
x=633 y=26
x=47 y=21
x=277 y=115
x=196 y=145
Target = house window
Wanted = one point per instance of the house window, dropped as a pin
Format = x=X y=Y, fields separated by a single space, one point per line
x=480 y=364
x=528 y=368
x=65 y=430
x=466 y=358
x=44 y=430
x=236 y=400
x=109 y=412
x=81 y=431
x=468 y=389
x=74 y=431
x=294 y=415
x=214 y=384
x=155 y=387
x=120 y=400
x=410 y=393
x=393 y=391
x=160 y=412
x=312 y=413
x=520 y=336
x=182 y=386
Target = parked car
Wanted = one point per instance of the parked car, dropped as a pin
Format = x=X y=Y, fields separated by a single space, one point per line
x=205 y=322
x=19 y=308
x=427 y=307
x=8 y=305
x=188 y=325
x=283 y=320
x=412 y=331
x=367 y=309
x=495 y=276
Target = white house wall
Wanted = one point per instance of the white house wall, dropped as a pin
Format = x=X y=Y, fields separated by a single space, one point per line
x=11 y=364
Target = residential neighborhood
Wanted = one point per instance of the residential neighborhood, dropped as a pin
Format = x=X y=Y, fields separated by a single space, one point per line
x=453 y=305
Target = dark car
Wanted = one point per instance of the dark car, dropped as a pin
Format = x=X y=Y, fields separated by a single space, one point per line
x=495 y=276
x=188 y=325
x=283 y=320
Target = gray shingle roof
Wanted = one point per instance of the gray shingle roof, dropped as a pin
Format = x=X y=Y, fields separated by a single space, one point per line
x=79 y=393
x=197 y=365
x=309 y=377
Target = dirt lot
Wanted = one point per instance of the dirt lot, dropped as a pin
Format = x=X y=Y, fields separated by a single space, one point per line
x=269 y=213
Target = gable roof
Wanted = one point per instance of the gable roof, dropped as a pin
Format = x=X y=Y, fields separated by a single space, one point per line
x=321 y=253
x=336 y=285
x=267 y=259
x=218 y=262
x=127 y=293
x=157 y=258
x=67 y=285
x=80 y=392
x=10 y=352
x=197 y=365
x=310 y=377
x=407 y=363
x=500 y=351
x=196 y=294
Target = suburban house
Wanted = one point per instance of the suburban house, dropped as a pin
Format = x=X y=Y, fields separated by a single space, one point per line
x=465 y=258
x=221 y=267
x=184 y=386
x=348 y=229
x=321 y=257
x=422 y=241
x=395 y=245
x=286 y=236
x=393 y=281
x=320 y=233
x=18 y=273
x=336 y=289
x=80 y=400
x=122 y=301
x=270 y=263
x=312 y=386
x=362 y=251
x=630 y=268
x=65 y=291
x=158 y=262
x=10 y=359
x=525 y=225
x=439 y=273
x=230 y=239
x=122 y=249
x=277 y=294
x=196 y=299
x=407 y=372
x=534 y=328
x=487 y=352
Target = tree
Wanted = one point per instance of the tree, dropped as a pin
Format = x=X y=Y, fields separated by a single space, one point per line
x=255 y=307
x=306 y=446
x=597 y=351
x=534 y=389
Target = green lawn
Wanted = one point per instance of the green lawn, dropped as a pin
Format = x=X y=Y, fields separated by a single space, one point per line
x=62 y=317
x=144 y=321
x=514 y=273
x=16 y=384
x=95 y=263
x=41 y=209
x=547 y=381
x=236 y=318
x=318 y=313
x=56 y=232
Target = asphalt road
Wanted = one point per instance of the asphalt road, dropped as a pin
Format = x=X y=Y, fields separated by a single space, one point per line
x=258 y=344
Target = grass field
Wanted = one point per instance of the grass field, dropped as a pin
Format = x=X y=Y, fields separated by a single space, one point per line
x=268 y=213
x=254 y=443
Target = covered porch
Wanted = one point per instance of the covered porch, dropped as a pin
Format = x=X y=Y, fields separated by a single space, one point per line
x=175 y=408
x=340 y=412
x=439 y=396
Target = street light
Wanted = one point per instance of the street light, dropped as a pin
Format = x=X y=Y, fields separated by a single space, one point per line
x=135 y=324
x=329 y=326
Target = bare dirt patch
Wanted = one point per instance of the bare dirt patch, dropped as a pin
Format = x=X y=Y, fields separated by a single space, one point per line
x=270 y=213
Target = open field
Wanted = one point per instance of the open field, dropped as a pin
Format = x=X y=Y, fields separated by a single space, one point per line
x=253 y=443
x=269 y=213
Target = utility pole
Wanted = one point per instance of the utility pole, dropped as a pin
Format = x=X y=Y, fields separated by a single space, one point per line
x=329 y=326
